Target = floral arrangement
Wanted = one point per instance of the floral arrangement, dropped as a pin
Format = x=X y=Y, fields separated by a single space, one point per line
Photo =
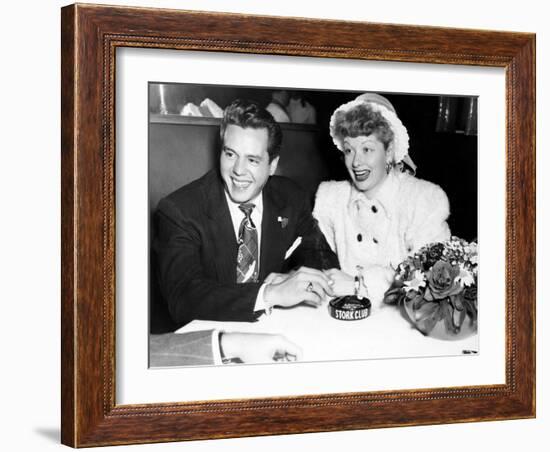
x=438 y=283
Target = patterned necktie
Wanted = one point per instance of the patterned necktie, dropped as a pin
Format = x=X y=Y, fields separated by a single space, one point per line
x=247 y=254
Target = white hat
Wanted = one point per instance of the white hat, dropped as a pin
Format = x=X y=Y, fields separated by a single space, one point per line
x=399 y=146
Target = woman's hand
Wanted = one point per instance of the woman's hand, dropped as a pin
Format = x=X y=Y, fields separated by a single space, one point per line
x=377 y=279
x=343 y=282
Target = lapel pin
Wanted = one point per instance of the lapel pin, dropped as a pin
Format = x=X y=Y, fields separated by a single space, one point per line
x=283 y=221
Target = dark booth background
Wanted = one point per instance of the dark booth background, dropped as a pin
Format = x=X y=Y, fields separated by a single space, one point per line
x=443 y=145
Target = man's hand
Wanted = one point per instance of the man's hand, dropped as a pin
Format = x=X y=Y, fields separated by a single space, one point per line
x=258 y=347
x=303 y=285
x=275 y=278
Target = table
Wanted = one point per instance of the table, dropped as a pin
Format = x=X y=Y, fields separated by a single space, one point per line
x=385 y=334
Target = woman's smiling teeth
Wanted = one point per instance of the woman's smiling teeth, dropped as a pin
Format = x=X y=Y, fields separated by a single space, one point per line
x=361 y=175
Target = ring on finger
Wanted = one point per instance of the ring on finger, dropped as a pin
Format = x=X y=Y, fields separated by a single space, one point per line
x=309 y=287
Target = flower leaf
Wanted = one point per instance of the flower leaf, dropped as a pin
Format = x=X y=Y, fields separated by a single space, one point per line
x=448 y=316
x=428 y=316
x=461 y=318
x=456 y=301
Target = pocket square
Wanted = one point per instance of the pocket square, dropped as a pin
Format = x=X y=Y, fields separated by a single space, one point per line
x=293 y=247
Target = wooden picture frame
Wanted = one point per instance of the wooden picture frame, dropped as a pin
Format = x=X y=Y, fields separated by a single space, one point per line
x=90 y=36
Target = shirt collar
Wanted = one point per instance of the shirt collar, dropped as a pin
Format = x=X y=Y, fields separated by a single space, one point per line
x=257 y=201
x=384 y=196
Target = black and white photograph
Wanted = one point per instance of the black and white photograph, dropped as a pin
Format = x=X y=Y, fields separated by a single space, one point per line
x=275 y=226
x=290 y=225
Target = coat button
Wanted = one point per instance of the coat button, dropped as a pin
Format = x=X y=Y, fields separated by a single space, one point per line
x=374 y=209
x=374 y=240
x=359 y=237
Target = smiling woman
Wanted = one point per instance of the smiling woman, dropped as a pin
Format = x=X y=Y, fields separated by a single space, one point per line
x=383 y=213
x=363 y=135
x=366 y=161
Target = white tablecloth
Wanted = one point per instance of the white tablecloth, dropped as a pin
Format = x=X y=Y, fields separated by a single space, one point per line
x=385 y=334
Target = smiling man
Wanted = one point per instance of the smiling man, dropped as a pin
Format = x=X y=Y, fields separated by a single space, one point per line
x=221 y=241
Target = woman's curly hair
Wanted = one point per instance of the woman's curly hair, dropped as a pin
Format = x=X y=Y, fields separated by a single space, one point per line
x=362 y=120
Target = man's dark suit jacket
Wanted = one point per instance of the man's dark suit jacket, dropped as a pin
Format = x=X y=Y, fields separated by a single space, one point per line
x=196 y=249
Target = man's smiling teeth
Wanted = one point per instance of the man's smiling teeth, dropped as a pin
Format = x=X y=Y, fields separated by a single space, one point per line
x=241 y=184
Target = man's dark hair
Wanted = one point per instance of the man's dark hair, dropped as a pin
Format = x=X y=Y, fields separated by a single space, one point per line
x=249 y=114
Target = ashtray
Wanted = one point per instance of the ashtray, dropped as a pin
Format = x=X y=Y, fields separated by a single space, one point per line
x=350 y=307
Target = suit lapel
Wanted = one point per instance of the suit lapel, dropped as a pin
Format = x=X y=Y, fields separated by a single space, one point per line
x=223 y=234
x=225 y=245
x=273 y=240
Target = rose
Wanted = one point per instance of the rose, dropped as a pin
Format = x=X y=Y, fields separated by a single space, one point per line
x=433 y=254
x=441 y=280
